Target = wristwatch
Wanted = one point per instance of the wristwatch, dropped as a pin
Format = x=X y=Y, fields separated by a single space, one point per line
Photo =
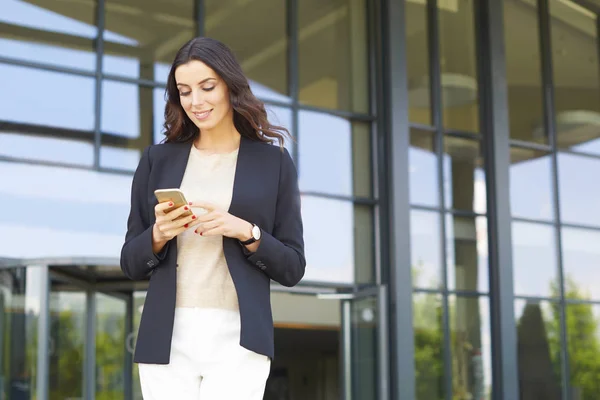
x=256 y=233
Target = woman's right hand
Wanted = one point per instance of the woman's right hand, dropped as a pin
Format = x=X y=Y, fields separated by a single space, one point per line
x=167 y=226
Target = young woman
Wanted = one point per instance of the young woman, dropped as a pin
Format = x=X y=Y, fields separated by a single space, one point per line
x=206 y=330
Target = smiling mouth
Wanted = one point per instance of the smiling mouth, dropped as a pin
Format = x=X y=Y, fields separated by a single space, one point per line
x=202 y=115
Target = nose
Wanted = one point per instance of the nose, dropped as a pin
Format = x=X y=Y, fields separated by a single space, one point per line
x=197 y=98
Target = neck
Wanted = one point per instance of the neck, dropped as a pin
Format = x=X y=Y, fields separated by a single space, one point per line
x=221 y=139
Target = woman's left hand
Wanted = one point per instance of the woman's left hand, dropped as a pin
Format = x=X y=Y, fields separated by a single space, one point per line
x=219 y=222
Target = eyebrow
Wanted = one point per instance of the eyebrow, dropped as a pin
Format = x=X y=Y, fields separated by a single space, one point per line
x=200 y=83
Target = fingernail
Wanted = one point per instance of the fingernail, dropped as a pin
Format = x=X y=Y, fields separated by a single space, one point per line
x=170 y=203
x=186 y=208
x=196 y=231
x=200 y=233
x=193 y=217
x=186 y=225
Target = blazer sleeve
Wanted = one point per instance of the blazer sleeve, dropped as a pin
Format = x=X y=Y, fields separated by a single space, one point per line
x=281 y=255
x=137 y=258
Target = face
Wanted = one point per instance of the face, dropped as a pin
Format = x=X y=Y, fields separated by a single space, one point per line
x=204 y=96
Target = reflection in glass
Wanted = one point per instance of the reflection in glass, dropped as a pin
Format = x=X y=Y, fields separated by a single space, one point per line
x=417 y=40
x=583 y=343
x=425 y=249
x=539 y=348
x=467 y=253
x=424 y=181
x=471 y=347
x=531 y=184
x=524 y=71
x=263 y=53
x=333 y=54
x=67 y=338
x=464 y=175
x=42 y=148
x=138 y=305
x=55 y=33
x=110 y=346
x=344 y=171
x=578 y=191
x=364 y=348
x=429 y=346
x=575 y=65
x=534 y=260
x=460 y=92
x=20 y=305
x=141 y=38
x=282 y=116
x=61 y=100
x=363 y=245
x=581 y=263
x=127 y=123
x=331 y=239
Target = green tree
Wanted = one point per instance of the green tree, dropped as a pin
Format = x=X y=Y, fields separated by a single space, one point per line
x=583 y=344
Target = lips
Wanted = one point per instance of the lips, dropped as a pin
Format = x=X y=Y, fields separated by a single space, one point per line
x=202 y=115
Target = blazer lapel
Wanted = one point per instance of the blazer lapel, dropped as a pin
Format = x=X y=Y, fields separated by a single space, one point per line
x=179 y=154
x=242 y=180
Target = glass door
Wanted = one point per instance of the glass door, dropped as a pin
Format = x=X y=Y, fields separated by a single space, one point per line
x=364 y=343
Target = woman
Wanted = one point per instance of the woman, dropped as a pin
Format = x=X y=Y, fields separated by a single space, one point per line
x=206 y=330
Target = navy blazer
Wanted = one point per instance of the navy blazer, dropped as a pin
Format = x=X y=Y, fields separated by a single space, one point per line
x=265 y=192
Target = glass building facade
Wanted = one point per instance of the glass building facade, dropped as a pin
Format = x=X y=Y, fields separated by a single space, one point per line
x=446 y=151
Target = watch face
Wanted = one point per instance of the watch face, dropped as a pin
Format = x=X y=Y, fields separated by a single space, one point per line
x=256 y=232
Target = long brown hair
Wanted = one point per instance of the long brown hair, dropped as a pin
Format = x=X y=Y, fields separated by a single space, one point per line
x=249 y=113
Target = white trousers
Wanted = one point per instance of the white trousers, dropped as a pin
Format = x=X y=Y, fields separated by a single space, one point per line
x=207 y=361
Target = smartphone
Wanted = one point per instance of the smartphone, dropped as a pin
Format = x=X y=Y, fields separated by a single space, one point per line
x=174 y=195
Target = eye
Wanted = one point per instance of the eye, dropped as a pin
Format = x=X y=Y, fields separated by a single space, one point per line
x=184 y=93
x=208 y=89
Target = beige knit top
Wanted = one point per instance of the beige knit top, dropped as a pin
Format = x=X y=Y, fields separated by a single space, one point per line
x=203 y=278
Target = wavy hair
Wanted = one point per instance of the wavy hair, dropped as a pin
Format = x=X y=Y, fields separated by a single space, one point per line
x=249 y=113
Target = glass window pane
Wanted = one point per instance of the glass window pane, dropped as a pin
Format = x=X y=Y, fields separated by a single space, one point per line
x=467 y=247
x=67 y=101
x=535 y=268
x=332 y=258
x=127 y=122
x=55 y=33
x=282 y=116
x=138 y=305
x=464 y=175
x=364 y=245
x=333 y=54
x=110 y=346
x=531 y=194
x=539 y=349
x=67 y=339
x=263 y=54
x=583 y=333
x=579 y=195
x=471 y=347
x=524 y=71
x=424 y=176
x=417 y=40
x=581 y=263
x=158 y=119
x=460 y=92
x=429 y=346
x=20 y=304
x=44 y=148
x=346 y=171
x=576 y=79
x=141 y=38
x=425 y=249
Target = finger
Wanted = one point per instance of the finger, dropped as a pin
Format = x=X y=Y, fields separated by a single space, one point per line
x=208 y=225
x=160 y=208
x=204 y=204
x=211 y=216
x=219 y=230
x=178 y=212
x=184 y=222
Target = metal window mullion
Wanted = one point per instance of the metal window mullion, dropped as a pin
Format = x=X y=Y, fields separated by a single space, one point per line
x=293 y=73
x=550 y=124
x=89 y=358
x=437 y=109
x=128 y=357
x=43 y=336
x=100 y=22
